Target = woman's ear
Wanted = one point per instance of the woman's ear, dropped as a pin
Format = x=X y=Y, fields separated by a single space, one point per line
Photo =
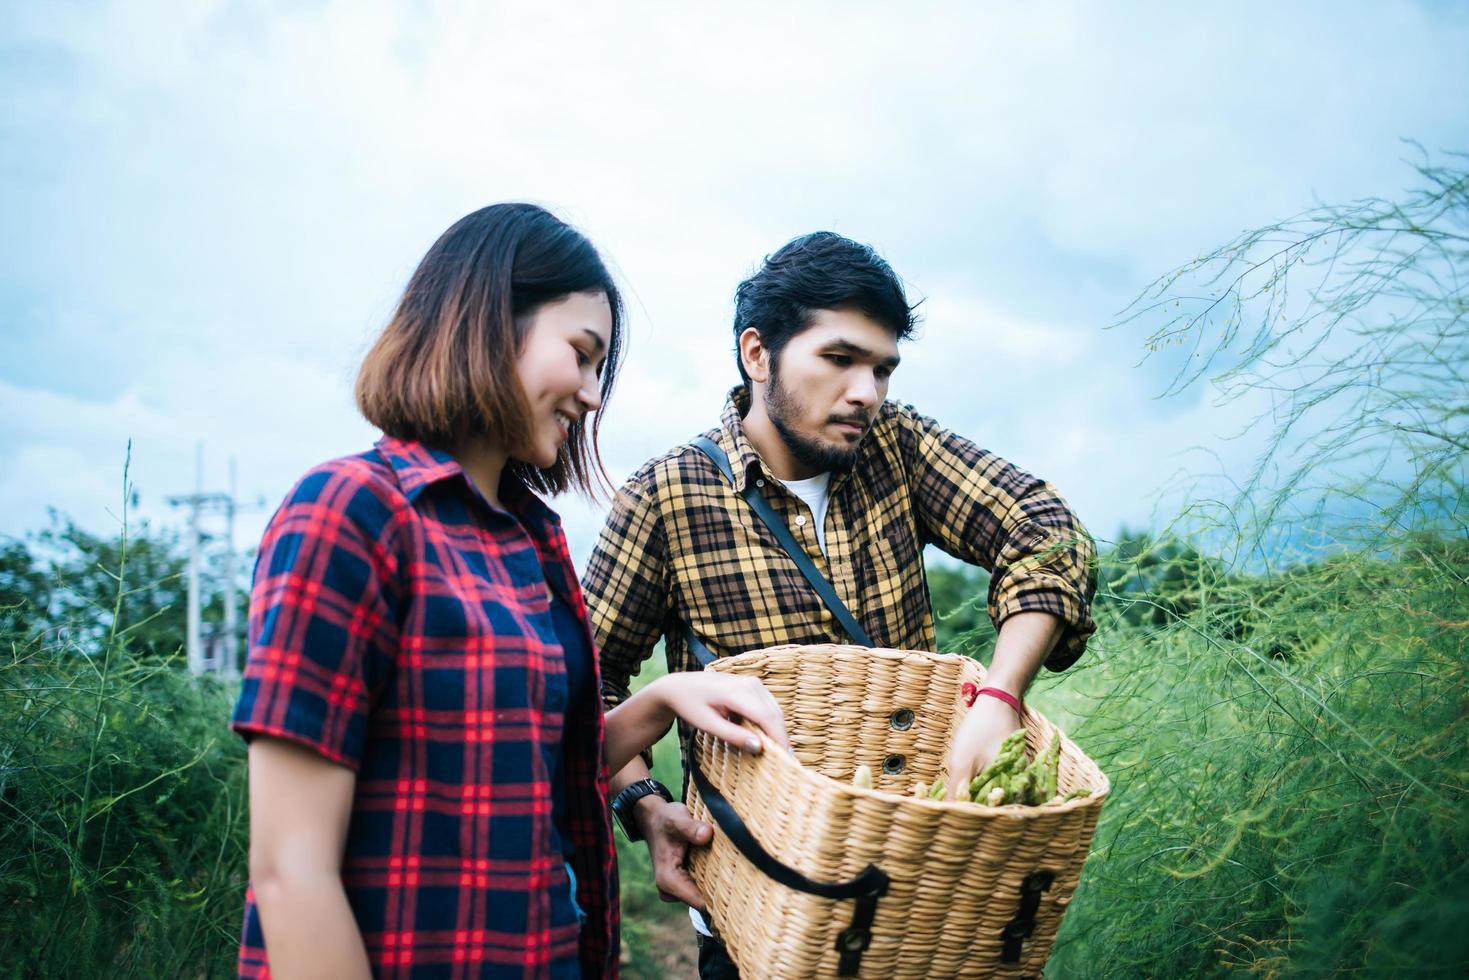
x=754 y=355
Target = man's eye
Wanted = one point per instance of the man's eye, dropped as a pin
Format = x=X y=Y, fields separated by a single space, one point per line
x=840 y=360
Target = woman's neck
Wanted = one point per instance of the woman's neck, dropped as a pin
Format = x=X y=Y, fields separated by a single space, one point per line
x=483 y=464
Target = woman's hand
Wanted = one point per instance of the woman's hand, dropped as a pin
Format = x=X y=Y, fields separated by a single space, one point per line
x=715 y=703
x=709 y=701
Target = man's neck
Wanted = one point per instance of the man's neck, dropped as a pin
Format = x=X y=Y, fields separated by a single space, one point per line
x=762 y=434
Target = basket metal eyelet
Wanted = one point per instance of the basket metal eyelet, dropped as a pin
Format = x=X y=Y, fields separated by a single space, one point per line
x=901 y=720
x=894 y=764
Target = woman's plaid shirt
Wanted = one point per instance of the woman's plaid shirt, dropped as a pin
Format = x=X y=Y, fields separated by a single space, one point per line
x=681 y=546
x=400 y=626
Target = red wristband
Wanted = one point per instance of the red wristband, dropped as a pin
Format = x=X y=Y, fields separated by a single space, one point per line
x=1004 y=696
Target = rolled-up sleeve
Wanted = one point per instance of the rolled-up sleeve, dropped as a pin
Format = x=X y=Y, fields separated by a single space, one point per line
x=988 y=512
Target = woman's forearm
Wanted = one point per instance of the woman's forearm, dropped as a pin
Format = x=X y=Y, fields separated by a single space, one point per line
x=300 y=805
x=636 y=724
x=309 y=928
x=708 y=701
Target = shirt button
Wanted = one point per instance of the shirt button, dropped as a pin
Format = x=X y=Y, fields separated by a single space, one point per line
x=759 y=483
x=801 y=521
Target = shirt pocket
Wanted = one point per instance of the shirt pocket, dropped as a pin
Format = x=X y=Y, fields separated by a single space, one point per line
x=893 y=557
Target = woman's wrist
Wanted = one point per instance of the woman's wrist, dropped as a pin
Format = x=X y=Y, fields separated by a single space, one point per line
x=660 y=694
x=656 y=714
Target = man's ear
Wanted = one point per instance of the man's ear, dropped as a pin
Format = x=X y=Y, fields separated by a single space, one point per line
x=754 y=355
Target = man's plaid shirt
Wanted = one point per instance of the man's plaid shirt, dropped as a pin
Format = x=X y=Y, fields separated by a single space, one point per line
x=400 y=626
x=682 y=546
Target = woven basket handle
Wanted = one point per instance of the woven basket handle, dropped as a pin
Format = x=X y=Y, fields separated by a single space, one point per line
x=866 y=888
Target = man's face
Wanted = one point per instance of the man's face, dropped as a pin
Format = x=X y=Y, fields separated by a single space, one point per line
x=827 y=385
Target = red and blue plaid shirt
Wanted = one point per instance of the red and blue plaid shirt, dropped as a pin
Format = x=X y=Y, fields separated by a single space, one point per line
x=401 y=626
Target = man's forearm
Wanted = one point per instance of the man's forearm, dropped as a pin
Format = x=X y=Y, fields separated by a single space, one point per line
x=1023 y=643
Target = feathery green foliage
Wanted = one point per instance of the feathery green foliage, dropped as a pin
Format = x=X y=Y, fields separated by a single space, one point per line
x=1302 y=813
x=122 y=802
x=1289 y=747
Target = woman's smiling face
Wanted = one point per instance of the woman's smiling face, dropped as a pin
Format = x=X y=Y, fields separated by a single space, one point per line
x=560 y=369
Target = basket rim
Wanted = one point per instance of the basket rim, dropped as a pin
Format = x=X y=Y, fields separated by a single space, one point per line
x=768 y=748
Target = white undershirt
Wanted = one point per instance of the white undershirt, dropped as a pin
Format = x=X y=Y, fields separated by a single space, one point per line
x=816 y=492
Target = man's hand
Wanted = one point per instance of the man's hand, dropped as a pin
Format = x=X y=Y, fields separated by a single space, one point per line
x=977 y=740
x=669 y=830
x=1024 y=641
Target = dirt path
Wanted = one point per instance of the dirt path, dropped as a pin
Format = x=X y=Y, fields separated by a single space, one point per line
x=678 y=956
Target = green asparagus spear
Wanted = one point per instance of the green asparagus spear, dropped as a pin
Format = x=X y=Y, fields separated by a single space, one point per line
x=1053 y=764
x=1011 y=751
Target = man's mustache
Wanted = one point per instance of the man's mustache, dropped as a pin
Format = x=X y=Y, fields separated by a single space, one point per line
x=860 y=419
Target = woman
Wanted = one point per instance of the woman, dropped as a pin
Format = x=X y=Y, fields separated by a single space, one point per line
x=428 y=754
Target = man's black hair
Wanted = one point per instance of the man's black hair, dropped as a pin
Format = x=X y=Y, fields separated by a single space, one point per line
x=819 y=271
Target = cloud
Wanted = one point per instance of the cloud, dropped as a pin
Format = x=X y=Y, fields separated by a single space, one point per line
x=211 y=207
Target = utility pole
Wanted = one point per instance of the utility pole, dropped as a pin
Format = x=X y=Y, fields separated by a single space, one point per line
x=194 y=647
x=231 y=594
x=202 y=661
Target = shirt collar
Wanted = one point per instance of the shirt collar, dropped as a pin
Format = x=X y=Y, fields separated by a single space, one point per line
x=742 y=455
x=420 y=467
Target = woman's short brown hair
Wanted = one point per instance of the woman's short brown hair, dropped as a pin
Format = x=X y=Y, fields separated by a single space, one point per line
x=443 y=370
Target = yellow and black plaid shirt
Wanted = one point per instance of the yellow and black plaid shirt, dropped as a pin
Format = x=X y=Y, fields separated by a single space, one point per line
x=682 y=546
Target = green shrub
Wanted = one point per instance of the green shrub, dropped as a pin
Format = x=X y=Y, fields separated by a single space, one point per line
x=122 y=798
x=1300 y=816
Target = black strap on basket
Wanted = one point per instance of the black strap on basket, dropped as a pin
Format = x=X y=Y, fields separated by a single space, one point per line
x=1018 y=929
x=792 y=547
x=866 y=888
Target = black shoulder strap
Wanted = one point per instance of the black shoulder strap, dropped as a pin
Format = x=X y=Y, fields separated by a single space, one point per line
x=792 y=547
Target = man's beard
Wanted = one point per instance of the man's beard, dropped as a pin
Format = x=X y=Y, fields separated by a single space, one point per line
x=782 y=409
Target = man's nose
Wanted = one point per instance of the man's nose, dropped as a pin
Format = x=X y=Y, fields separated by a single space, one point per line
x=862 y=388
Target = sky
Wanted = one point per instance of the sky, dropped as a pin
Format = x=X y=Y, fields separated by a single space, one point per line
x=210 y=208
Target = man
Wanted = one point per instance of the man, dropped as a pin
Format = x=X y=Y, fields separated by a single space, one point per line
x=863 y=484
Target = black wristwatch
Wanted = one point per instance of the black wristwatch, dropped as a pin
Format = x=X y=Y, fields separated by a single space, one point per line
x=622 y=804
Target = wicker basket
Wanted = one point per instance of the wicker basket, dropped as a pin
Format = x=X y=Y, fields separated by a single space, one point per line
x=905 y=887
